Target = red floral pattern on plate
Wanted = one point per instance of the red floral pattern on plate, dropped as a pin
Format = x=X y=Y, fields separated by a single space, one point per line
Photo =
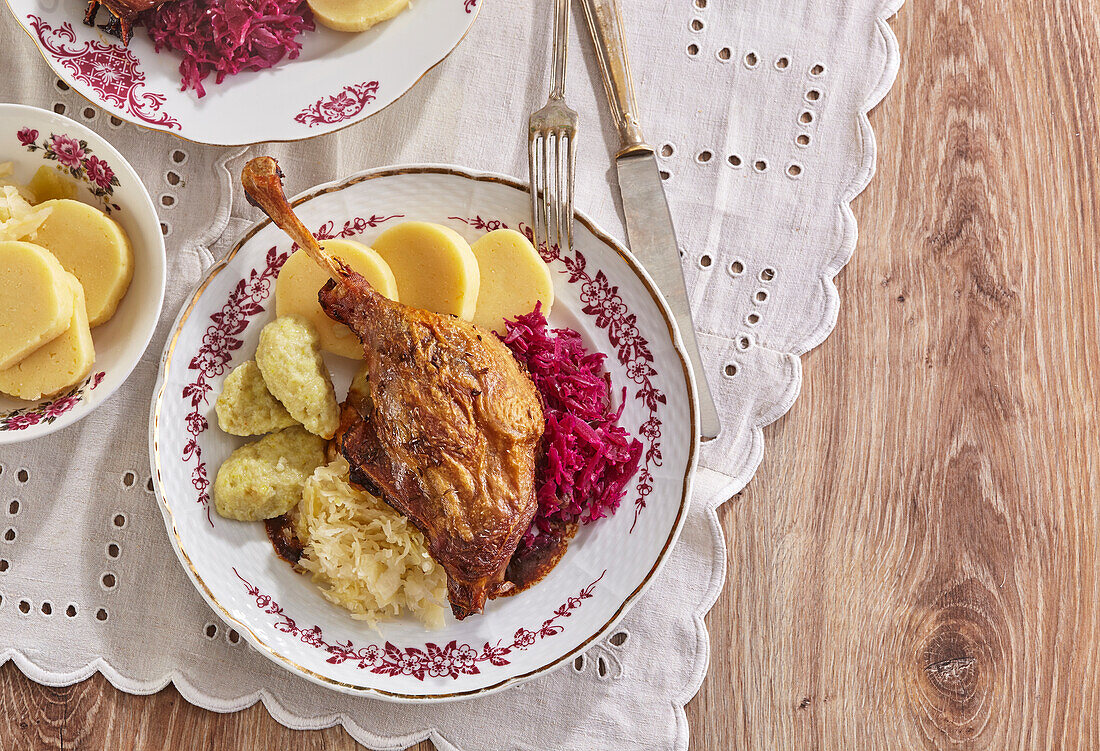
x=111 y=71
x=48 y=412
x=470 y=5
x=339 y=107
x=74 y=157
x=603 y=302
x=220 y=342
x=448 y=661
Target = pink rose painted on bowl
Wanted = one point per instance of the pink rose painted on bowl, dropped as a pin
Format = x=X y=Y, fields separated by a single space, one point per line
x=27 y=136
x=67 y=150
x=99 y=172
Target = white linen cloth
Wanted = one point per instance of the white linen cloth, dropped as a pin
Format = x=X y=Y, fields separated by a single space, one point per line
x=758 y=111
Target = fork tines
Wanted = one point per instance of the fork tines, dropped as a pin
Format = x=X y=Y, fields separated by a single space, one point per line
x=552 y=155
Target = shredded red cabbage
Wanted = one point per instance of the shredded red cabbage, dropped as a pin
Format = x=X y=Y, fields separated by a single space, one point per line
x=224 y=37
x=589 y=458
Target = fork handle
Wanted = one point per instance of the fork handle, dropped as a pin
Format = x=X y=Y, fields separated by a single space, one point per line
x=606 y=27
x=561 y=47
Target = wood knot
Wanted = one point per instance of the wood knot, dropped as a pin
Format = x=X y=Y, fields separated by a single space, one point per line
x=960 y=671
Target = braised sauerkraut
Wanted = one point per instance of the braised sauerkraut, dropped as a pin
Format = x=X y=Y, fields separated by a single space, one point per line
x=363 y=555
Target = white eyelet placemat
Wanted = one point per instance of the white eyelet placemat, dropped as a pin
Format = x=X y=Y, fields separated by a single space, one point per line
x=759 y=114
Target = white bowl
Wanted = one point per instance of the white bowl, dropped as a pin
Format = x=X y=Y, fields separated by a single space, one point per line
x=119 y=343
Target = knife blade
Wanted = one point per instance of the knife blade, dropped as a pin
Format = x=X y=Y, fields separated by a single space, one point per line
x=650 y=232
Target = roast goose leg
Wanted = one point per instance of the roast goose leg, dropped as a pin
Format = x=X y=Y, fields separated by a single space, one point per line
x=451 y=425
x=123 y=13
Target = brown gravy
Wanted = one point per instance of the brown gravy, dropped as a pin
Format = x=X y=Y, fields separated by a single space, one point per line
x=284 y=539
x=530 y=565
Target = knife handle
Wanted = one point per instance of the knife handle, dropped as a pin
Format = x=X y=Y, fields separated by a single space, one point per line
x=606 y=27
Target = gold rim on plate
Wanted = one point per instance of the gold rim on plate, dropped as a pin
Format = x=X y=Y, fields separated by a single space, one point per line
x=257 y=642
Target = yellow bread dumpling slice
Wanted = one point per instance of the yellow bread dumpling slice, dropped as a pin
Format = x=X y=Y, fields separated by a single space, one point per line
x=513 y=279
x=301 y=279
x=264 y=479
x=58 y=364
x=36 y=300
x=434 y=267
x=49 y=184
x=246 y=407
x=94 y=248
x=355 y=15
x=289 y=357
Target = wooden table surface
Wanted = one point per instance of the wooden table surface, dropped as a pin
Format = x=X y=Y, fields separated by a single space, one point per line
x=915 y=564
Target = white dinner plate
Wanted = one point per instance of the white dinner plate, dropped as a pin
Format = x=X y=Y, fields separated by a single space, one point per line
x=338 y=79
x=600 y=291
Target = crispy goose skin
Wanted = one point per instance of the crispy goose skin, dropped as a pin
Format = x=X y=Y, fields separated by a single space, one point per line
x=123 y=13
x=450 y=435
x=449 y=429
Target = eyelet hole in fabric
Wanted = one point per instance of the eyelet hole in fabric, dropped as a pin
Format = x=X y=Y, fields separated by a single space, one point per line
x=667 y=150
x=760 y=165
x=167 y=200
x=730 y=370
x=71 y=611
x=751 y=60
x=794 y=170
x=165 y=228
x=734 y=160
x=813 y=95
x=61 y=85
x=128 y=480
x=601 y=667
x=761 y=295
x=10 y=534
x=744 y=342
x=59 y=108
x=724 y=54
x=696 y=25
x=47 y=608
x=179 y=157
x=22 y=476
x=806 y=117
x=13 y=508
x=767 y=274
x=119 y=520
x=665 y=174
x=737 y=268
x=752 y=319
x=803 y=140
x=116 y=122
x=705 y=261
x=817 y=69
x=704 y=156
x=4 y=565
x=113 y=550
x=233 y=637
x=619 y=638
x=108 y=581
x=782 y=63
x=24 y=607
x=693 y=50
x=89 y=113
x=149 y=485
x=578 y=664
x=101 y=615
x=211 y=630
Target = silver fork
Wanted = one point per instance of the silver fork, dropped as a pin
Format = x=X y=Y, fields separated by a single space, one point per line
x=551 y=136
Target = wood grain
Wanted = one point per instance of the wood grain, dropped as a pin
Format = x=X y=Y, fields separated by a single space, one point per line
x=915 y=564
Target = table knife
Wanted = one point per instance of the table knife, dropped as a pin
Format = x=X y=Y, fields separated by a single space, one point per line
x=649 y=229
